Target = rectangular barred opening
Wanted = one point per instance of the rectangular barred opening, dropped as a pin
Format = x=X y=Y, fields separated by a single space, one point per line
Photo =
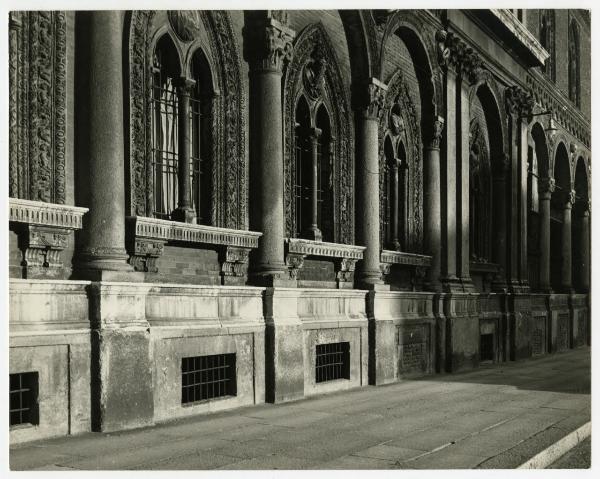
x=207 y=377
x=333 y=362
x=486 y=347
x=24 y=399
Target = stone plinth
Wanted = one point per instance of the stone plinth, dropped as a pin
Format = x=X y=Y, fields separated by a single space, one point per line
x=462 y=331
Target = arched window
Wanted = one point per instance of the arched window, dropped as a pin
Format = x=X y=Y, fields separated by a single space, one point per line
x=395 y=198
x=313 y=190
x=200 y=129
x=547 y=29
x=479 y=203
x=168 y=155
x=574 y=76
x=165 y=70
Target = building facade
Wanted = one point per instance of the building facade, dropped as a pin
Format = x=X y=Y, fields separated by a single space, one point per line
x=211 y=209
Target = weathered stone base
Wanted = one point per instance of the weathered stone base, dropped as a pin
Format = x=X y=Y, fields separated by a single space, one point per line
x=109 y=355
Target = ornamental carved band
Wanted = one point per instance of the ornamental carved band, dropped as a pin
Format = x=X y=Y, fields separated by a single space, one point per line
x=37 y=106
x=267 y=42
x=226 y=153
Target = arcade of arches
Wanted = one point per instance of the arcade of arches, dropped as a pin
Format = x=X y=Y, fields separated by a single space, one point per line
x=298 y=202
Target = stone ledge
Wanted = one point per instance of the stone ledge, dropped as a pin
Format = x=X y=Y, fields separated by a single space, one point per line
x=345 y=257
x=43 y=230
x=45 y=214
x=399 y=257
x=146 y=238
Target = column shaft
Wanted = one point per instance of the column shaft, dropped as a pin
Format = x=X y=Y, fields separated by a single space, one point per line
x=544 y=206
x=566 y=274
x=499 y=230
x=314 y=233
x=432 y=208
x=266 y=141
x=395 y=206
x=103 y=248
x=523 y=147
x=185 y=209
x=462 y=179
x=584 y=252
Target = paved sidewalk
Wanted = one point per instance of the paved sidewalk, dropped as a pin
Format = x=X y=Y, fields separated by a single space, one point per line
x=497 y=416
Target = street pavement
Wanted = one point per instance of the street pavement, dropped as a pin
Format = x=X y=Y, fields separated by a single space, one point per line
x=495 y=417
x=580 y=457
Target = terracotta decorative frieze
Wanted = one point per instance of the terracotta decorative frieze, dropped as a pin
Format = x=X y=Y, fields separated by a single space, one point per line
x=146 y=238
x=344 y=256
x=37 y=106
x=44 y=230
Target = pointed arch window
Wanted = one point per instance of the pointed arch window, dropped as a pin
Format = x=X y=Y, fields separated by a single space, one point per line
x=479 y=199
x=313 y=189
x=574 y=66
x=547 y=33
x=180 y=136
x=395 y=195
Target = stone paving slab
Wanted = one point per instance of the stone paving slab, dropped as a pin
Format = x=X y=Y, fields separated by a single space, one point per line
x=497 y=416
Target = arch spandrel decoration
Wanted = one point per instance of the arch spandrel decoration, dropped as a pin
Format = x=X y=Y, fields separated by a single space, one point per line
x=410 y=134
x=228 y=202
x=335 y=97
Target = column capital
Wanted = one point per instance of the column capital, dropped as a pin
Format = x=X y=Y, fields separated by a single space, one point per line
x=519 y=103
x=184 y=85
x=501 y=165
x=370 y=98
x=570 y=198
x=267 y=40
x=437 y=132
x=455 y=55
x=547 y=185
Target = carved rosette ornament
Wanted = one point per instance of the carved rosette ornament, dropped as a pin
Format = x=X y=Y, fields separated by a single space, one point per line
x=267 y=41
x=185 y=23
x=37 y=106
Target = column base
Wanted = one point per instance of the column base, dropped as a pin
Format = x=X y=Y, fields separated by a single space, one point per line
x=113 y=267
x=185 y=215
x=313 y=233
x=272 y=279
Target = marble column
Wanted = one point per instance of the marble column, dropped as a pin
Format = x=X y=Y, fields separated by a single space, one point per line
x=499 y=192
x=102 y=255
x=370 y=108
x=546 y=187
x=583 y=269
x=462 y=179
x=523 y=214
x=432 y=205
x=566 y=263
x=448 y=183
x=267 y=44
x=395 y=205
x=314 y=233
x=185 y=208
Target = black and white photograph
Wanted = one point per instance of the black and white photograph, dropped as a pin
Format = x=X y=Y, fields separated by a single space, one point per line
x=306 y=239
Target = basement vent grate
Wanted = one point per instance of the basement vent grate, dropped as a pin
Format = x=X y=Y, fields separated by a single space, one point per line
x=486 y=347
x=24 y=399
x=333 y=362
x=207 y=377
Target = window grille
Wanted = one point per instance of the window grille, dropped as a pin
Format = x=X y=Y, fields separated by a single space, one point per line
x=207 y=377
x=332 y=362
x=302 y=189
x=24 y=398
x=486 y=347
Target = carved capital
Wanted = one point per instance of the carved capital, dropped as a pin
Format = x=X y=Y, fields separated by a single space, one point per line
x=41 y=247
x=570 y=198
x=371 y=99
x=518 y=102
x=267 y=41
x=546 y=185
x=385 y=268
x=438 y=129
x=501 y=166
x=184 y=85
